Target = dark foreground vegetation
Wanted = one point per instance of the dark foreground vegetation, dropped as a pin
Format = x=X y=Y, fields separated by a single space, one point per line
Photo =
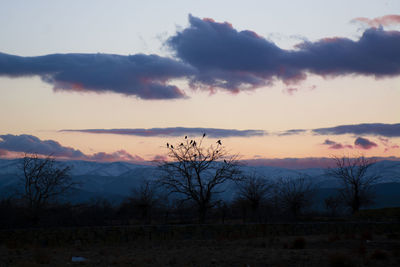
x=281 y=244
x=180 y=219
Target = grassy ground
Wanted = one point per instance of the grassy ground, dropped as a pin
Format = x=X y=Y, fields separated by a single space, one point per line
x=348 y=249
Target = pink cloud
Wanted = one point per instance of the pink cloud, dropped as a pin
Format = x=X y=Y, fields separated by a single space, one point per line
x=335 y=145
x=302 y=163
x=120 y=155
x=3 y=152
x=376 y=22
x=160 y=158
x=388 y=144
x=290 y=91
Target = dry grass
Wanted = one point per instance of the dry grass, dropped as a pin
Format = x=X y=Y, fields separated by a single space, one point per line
x=229 y=249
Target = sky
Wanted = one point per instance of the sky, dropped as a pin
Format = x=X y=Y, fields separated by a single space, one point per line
x=117 y=80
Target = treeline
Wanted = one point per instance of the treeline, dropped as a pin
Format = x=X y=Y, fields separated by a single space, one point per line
x=255 y=201
x=187 y=189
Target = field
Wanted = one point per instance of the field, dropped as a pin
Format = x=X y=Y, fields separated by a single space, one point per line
x=301 y=244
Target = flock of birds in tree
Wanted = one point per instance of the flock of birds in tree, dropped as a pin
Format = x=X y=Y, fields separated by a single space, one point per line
x=193 y=143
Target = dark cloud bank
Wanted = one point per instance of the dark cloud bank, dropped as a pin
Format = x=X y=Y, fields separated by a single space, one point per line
x=144 y=76
x=176 y=131
x=375 y=129
x=213 y=55
x=31 y=144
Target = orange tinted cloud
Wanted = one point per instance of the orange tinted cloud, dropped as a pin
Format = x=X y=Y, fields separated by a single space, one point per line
x=376 y=22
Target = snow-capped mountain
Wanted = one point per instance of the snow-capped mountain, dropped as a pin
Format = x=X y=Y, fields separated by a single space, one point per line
x=119 y=178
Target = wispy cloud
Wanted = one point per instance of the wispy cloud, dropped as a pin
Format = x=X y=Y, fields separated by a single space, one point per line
x=364 y=143
x=388 y=144
x=175 y=131
x=303 y=163
x=292 y=132
x=31 y=144
x=381 y=129
x=335 y=145
x=144 y=76
x=387 y=20
x=292 y=163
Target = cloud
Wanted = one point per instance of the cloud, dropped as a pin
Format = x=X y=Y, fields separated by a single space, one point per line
x=144 y=76
x=335 y=145
x=381 y=129
x=291 y=91
x=364 y=143
x=212 y=55
x=303 y=163
x=292 y=132
x=388 y=144
x=160 y=158
x=3 y=152
x=241 y=60
x=31 y=144
x=387 y=20
x=176 y=131
x=292 y=163
x=120 y=155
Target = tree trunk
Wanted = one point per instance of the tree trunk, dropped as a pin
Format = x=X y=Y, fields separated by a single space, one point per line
x=202 y=214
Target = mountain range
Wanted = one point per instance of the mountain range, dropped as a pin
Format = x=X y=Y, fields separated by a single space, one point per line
x=116 y=180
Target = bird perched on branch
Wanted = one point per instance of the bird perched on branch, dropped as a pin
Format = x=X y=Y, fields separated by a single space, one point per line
x=172 y=146
x=185 y=136
x=204 y=134
x=219 y=142
x=167 y=145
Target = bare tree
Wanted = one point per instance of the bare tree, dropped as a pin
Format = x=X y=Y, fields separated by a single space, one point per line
x=332 y=204
x=254 y=190
x=356 y=180
x=197 y=173
x=295 y=194
x=144 y=198
x=43 y=182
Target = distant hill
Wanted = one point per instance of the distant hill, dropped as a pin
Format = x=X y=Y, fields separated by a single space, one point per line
x=115 y=180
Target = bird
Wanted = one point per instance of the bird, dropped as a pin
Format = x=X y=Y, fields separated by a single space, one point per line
x=204 y=134
x=191 y=141
x=194 y=143
x=167 y=145
x=219 y=142
x=172 y=146
x=185 y=136
x=181 y=144
x=225 y=161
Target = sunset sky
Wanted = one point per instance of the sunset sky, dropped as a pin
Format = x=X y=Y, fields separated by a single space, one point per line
x=116 y=80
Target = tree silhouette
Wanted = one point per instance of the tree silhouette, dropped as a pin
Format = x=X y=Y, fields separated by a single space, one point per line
x=197 y=173
x=356 y=180
x=295 y=194
x=253 y=190
x=43 y=182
